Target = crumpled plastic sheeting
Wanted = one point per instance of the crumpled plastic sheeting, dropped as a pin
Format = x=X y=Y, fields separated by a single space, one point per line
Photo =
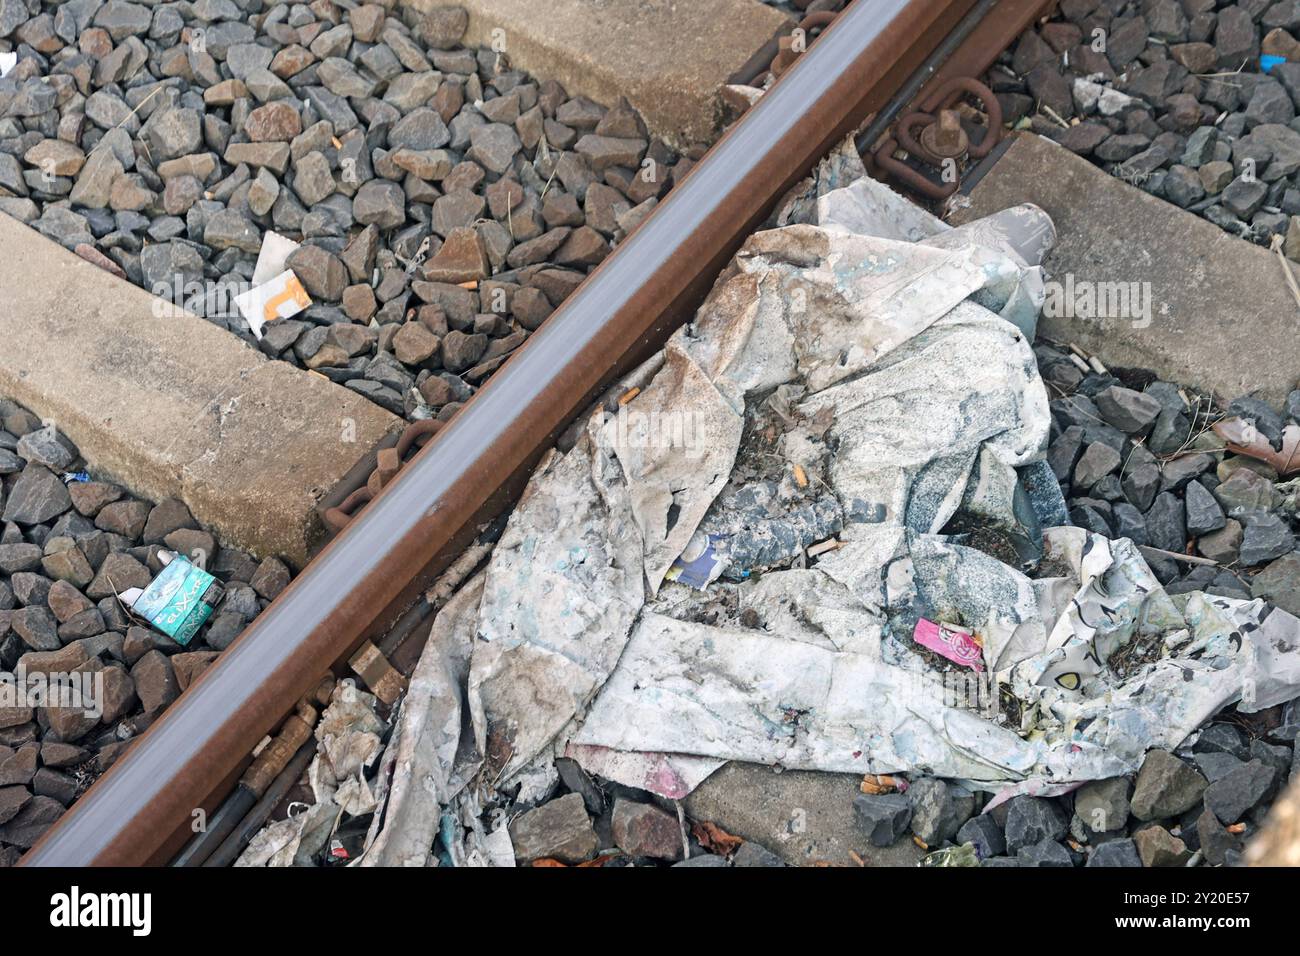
x=801 y=303
x=1008 y=245
x=561 y=592
x=293 y=841
x=748 y=695
x=662 y=474
x=600 y=525
x=823 y=304
x=1195 y=655
x=863 y=209
x=745 y=694
x=910 y=430
x=571 y=571
x=464 y=839
x=842 y=167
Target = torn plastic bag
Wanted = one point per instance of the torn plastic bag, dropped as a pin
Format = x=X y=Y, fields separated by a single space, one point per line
x=863 y=208
x=684 y=687
x=671 y=478
x=349 y=730
x=840 y=168
x=807 y=304
x=1128 y=668
x=465 y=841
x=292 y=842
x=1272 y=672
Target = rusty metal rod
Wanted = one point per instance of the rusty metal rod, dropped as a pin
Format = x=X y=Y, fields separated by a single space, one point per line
x=245 y=829
x=138 y=812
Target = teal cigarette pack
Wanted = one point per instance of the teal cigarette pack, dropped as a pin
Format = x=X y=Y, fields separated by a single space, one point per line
x=180 y=599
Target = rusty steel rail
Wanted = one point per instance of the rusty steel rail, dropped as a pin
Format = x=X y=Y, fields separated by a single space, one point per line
x=140 y=811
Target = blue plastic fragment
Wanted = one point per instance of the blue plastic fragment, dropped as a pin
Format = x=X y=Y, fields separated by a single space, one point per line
x=1268 y=61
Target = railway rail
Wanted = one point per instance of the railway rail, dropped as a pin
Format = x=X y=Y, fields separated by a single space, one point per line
x=402 y=528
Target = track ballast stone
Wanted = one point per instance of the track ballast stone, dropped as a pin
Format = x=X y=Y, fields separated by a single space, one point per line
x=446 y=202
x=67 y=548
x=1170 y=96
x=1166 y=482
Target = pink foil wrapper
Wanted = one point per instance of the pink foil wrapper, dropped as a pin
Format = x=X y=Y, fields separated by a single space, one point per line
x=952 y=642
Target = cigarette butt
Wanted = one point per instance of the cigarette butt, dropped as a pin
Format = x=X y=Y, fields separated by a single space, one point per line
x=921 y=843
x=338 y=143
x=853 y=855
x=830 y=544
x=471 y=284
x=800 y=478
x=627 y=396
x=874 y=783
x=1097 y=366
x=1236 y=828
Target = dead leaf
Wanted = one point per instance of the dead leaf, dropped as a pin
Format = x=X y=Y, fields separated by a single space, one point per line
x=877 y=783
x=713 y=837
x=1242 y=437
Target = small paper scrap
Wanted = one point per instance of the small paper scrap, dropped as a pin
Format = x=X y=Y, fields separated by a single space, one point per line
x=955 y=643
x=281 y=298
x=273 y=257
